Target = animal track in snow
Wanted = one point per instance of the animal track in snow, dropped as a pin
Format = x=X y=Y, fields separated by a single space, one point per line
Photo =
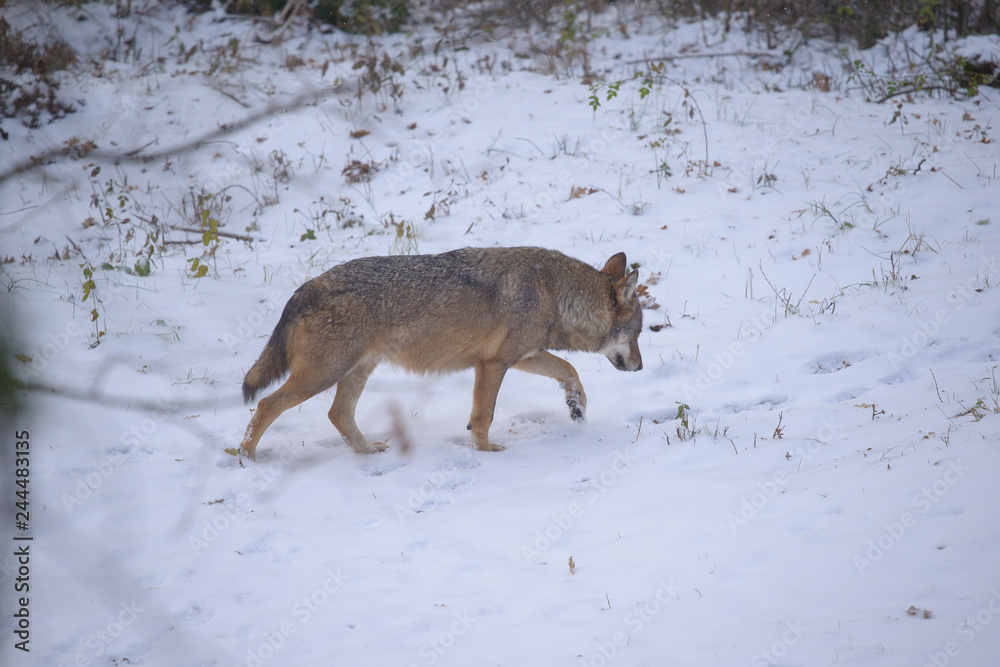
x=381 y=468
x=836 y=361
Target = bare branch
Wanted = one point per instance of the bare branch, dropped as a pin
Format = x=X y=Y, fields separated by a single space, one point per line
x=306 y=98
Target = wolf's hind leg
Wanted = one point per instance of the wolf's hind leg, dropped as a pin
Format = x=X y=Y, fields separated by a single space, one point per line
x=299 y=386
x=341 y=413
x=547 y=364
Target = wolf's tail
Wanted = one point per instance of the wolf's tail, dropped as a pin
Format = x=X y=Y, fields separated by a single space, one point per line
x=273 y=362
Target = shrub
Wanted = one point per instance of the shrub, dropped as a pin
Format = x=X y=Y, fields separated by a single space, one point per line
x=27 y=89
x=363 y=17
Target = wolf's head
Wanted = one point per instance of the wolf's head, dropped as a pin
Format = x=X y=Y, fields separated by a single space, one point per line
x=621 y=344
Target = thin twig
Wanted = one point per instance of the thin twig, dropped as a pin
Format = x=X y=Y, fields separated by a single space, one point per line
x=686 y=56
x=942 y=171
x=915 y=89
x=937 y=389
x=135 y=155
x=285 y=19
x=167 y=405
x=231 y=235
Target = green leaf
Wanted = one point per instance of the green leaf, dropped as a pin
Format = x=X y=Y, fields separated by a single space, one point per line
x=682 y=413
x=198 y=270
x=88 y=285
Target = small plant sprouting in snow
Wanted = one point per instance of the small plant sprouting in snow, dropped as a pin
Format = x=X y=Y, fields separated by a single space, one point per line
x=687 y=428
x=784 y=296
x=977 y=411
x=767 y=177
x=209 y=226
x=325 y=214
x=196 y=269
x=576 y=192
x=572 y=565
x=405 y=240
x=90 y=291
x=118 y=208
x=282 y=166
x=612 y=88
x=647 y=300
x=639 y=207
x=689 y=109
x=192 y=378
x=357 y=171
x=981 y=406
x=819 y=208
x=994 y=389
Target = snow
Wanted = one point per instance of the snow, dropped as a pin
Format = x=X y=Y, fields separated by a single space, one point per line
x=833 y=478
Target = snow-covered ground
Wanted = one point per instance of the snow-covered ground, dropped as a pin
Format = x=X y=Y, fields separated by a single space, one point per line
x=804 y=473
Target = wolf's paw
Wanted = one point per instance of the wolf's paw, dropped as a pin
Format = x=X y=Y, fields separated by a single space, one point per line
x=371 y=448
x=490 y=447
x=575 y=410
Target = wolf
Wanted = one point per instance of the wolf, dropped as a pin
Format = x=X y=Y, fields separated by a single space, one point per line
x=491 y=309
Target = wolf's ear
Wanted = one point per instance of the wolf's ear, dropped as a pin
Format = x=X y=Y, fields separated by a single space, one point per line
x=625 y=287
x=615 y=266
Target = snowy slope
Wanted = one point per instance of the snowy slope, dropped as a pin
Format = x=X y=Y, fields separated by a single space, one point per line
x=821 y=278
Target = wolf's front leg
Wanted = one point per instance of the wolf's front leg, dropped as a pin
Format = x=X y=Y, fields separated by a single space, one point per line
x=489 y=376
x=547 y=364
